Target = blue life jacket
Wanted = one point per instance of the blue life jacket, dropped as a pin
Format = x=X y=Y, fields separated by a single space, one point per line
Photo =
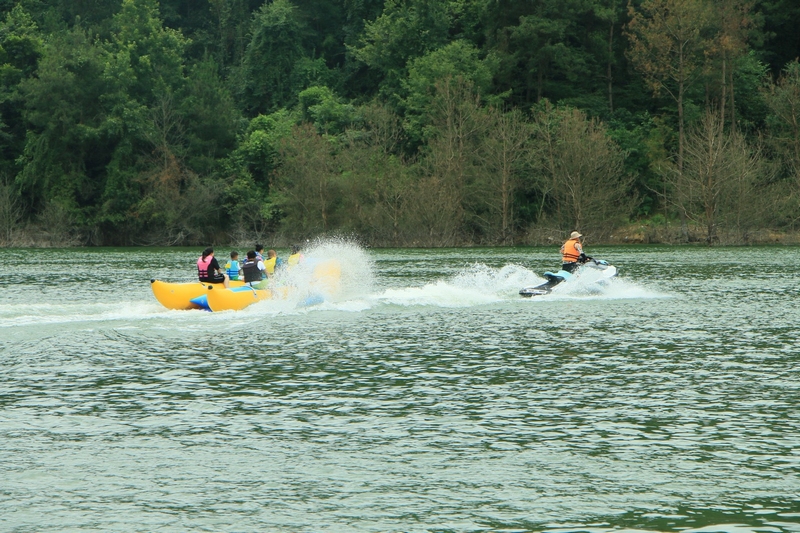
x=232 y=268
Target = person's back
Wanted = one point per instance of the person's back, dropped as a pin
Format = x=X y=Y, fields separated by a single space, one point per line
x=252 y=268
x=208 y=269
x=232 y=266
x=271 y=262
x=572 y=252
x=295 y=257
x=260 y=257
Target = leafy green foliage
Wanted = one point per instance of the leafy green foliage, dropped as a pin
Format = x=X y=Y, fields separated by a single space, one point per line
x=403 y=32
x=20 y=49
x=407 y=121
x=456 y=60
x=319 y=106
x=276 y=64
x=66 y=146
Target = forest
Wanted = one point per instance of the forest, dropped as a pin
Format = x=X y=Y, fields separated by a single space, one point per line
x=398 y=122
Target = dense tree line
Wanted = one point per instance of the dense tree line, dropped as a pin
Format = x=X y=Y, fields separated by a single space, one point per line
x=405 y=122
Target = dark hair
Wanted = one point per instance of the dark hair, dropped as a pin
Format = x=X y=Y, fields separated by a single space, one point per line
x=295 y=249
x=234 y=254
x=259 y=247
x=208 y=251
x=251 y=254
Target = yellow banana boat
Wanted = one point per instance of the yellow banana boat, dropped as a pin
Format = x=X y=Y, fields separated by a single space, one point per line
x=327 y=276
x=180 y=295
x=234 y=299
x=325 y=280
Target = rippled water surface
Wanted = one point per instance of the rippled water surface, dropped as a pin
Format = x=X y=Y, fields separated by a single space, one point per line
x=426 y=396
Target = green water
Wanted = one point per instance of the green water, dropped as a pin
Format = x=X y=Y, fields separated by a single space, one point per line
x=426 y=396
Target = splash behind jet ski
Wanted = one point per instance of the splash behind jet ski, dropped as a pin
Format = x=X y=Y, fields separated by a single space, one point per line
x=599 y=270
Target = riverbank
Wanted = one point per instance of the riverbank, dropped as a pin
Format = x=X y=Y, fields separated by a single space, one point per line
x=634 y=233
x=643 y=233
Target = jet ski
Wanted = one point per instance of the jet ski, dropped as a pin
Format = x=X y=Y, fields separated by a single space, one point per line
x=597 y=269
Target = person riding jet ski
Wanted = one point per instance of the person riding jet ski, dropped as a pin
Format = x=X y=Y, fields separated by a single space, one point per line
x=572 y=255
x=572 y=258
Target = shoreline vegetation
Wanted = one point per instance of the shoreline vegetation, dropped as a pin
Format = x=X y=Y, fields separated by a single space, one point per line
x=641 y=233
x=414 y=123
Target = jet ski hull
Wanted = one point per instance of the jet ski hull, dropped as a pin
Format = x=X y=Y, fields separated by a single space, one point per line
x=553 y=279
x=606 y=271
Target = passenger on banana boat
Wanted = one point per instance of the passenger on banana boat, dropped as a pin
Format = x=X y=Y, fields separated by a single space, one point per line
x=232 y=266
x=254 y=270
x=325 y=279
x=272 y=262
x=208 y=269
x=295 y=257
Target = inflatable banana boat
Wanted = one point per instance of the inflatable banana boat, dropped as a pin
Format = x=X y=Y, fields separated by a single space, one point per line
x=219 y=298
x=325 y=281
x=180 y=295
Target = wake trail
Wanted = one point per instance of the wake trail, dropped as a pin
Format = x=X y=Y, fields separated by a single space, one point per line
x=479 y=284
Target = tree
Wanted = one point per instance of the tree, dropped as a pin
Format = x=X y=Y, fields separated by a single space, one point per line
x=92 y=15
x=276 y=65
x=147 y=56
x=251 y=170
x=447 y=188
x=10 y=212
x=610 y=13
x=781 y=32
x=307 y=189
x=67 y=143
x=668 y=39
x=580 y=169
x=232 y=18
x=542 y=48
x=210 y=117
x=143 y=71
x=177 y=207
x=719 y=182
x=457 y=60
x=506 y=154
x=734 y=20
x=783 y=99
x=404 y=31
x=258 y=152
x=378 y=177
x=21 y=45
x=321 y=107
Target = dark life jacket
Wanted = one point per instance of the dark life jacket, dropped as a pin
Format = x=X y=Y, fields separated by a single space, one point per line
x=251 y=271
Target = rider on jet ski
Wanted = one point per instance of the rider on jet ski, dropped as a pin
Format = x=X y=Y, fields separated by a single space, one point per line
x=572 y=255
x=572 y=259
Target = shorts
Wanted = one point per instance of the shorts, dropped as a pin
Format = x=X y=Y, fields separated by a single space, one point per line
x=570 y=267
x=215 y=279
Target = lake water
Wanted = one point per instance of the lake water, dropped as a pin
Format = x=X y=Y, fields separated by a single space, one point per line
x=426 y=396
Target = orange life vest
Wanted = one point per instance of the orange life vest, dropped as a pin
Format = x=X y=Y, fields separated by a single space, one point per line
x=570 y=252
